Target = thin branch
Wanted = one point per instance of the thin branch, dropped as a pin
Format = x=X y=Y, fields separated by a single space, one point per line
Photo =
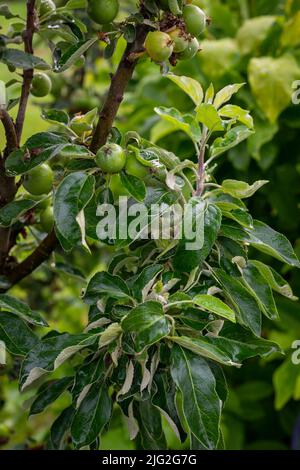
x=28 y=74
x=33 y=261
x=117 y=88
x=10 y=132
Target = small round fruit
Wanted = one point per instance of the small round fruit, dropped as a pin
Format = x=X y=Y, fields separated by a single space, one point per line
x=180 y=40
x=159 y=46
x=47 y=219
x=39 y=180
x=134 y=167
x=41 y=85
x=103 y=11
x=58 y=84
x=191 y=50
x=111 y=158
x=195 y=19
x=46 y=7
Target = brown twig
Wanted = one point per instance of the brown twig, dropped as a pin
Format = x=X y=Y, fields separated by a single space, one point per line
x=39 y=255
x=119 y=83
x=10 y=132
x=8 y=187
x=28 y=74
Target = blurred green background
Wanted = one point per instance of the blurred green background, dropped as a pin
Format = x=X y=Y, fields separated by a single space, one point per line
x=251 y=41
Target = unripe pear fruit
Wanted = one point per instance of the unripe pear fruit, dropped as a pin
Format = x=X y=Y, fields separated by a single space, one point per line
x=159 y=46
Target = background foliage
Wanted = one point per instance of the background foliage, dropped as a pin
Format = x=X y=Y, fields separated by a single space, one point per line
x=256 y=42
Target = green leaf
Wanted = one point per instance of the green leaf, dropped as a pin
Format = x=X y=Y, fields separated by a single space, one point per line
x=71 y=197
x=209 y=94
x=135 y=186
x=234 y=231
x=151 y=435
x=262 y=292
x=242 y=217
x=285 y=379
x=105 y=284
x=5 y=11
x=186 y=260
x=110 y=334
x=254 y=391
x=253 y=32
x=240 y=189
x=264 y=134
x=221 y=383
x=164 y=400
x=209 y=117
x=190 y=86
x=248 y=312
x=69 y=271
x=92 y=415
x=202 y=346
x=231 y=139
x=231 y=347
x=22 y=310
x=88 y=374
x=17 y=336
x=60 y=428
x=23 y=60
x=271 y=82
x=73 y=53
x=290 y=33
x=201 y=404
x=145 y=281
x=235 y=112
x=183 y=122
x=214 y=305
x=48 y=393
x=50 y=353
x=37 y=149
x=267 y=240
x=275 y=281
x=56 y=116
x=148 y=322
x=224 y=95
x=10 y=213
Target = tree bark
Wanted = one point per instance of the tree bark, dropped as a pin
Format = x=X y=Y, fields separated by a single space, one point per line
x=119 y=83
x=28 y=74
x=40 y=254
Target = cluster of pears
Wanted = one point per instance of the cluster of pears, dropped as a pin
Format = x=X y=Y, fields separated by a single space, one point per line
x=179 y=36
x=112 y=159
